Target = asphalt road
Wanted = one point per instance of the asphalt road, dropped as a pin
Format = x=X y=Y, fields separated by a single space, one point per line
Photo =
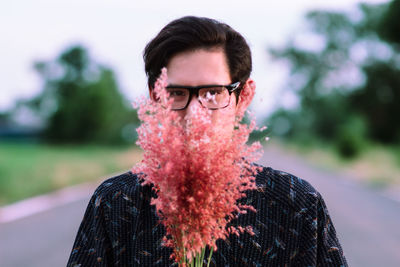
x=41 y=240
x=367 y=223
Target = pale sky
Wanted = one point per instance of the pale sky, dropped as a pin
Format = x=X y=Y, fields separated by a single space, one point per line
x=116 y=31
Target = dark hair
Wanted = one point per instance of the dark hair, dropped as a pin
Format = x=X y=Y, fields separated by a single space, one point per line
x=191 y=33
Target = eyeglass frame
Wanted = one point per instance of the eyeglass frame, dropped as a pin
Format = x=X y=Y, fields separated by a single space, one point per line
x=195 y=90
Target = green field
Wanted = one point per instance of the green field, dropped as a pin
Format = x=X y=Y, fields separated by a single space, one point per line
x=29 y=169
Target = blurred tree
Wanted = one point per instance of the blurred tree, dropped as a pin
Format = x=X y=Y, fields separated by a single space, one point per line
x=4 y=120
x=81 y=101
x=346 y=76
x=389 y=26
x=379 y=99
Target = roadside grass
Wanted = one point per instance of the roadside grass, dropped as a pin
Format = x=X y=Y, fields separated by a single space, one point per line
x=377 y=166
x=28 y=169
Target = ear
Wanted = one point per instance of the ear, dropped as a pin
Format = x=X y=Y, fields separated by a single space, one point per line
x=151 y=93
x=245 y=97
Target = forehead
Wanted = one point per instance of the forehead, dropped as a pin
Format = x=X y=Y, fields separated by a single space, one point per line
x=199 y=67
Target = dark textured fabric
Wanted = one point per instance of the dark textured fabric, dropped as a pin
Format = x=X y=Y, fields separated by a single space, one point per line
x=292 y=227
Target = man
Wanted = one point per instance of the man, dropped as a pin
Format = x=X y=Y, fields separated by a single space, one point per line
x=291 y=227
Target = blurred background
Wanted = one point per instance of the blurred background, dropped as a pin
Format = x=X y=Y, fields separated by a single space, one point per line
x=327 y=74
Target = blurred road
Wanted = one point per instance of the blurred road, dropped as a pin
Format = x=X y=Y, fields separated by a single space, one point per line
x=367 y=223
x=41 y=240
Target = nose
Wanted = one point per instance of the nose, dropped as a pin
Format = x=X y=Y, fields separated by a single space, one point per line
x=192 y=107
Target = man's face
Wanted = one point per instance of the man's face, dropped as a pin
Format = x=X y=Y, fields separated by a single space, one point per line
x=204 y=67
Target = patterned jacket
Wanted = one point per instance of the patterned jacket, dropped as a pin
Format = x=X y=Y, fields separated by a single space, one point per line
x=292 y=227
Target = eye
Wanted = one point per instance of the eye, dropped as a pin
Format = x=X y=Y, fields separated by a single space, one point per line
x=176 y=92
x=214 y=91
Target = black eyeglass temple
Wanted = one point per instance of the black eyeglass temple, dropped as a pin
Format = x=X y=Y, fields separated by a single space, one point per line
x=234 y=86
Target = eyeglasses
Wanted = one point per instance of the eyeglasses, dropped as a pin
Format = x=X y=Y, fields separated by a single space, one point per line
x=209 y=96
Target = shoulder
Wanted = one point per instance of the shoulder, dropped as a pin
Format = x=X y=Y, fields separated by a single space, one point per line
x=286 y=188
x=120 y=182
x=122 y=187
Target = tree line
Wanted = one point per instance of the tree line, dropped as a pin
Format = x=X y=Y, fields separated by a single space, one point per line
x=80 y=101
x=348 y=84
